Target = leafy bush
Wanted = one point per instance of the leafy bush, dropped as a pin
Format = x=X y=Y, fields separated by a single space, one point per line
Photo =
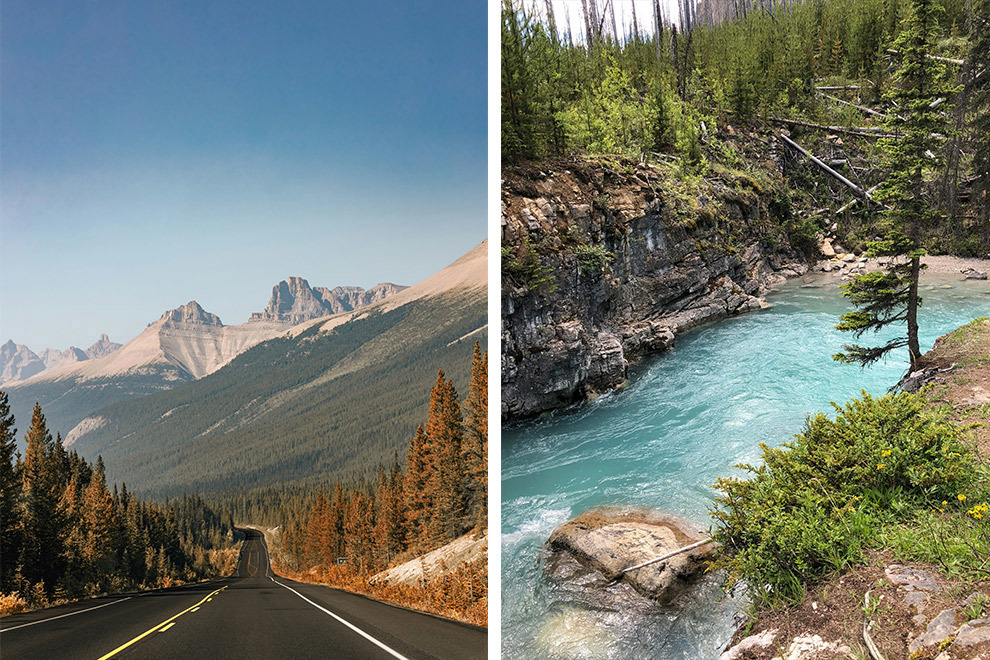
x=526 y=266
x=592 y=258
x=817 y=502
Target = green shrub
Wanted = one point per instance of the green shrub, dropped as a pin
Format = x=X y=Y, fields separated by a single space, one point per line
x=817 y=502
x=525 y=266
x=592 y=259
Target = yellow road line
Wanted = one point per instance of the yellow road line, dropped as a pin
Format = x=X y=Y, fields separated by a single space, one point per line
x=164 y=628
x=194 y=609
x=159 y=626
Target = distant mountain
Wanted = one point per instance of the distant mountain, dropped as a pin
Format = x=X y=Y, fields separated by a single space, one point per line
x=102 y=347
x=184 y=344
x=294 y=301
x=18 y=362
x=330 y=398
x=54 y=358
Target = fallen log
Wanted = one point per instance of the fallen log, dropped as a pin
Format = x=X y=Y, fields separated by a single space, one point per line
x=862 y=131
x=932 y=57
x=855 y=200
x=846 y=182
x=863 y=108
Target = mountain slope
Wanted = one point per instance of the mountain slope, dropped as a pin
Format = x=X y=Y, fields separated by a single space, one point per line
x=330 y=399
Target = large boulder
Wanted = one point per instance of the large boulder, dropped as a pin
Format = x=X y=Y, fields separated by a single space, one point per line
x=607 y=540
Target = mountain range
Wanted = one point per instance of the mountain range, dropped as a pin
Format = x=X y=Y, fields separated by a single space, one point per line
x=184 y=344
x=325 y=383
x=18 y=362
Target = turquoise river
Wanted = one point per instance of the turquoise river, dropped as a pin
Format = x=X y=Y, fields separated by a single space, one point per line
x=685 y=419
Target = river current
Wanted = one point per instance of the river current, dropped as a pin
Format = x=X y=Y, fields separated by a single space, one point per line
x=685 y=419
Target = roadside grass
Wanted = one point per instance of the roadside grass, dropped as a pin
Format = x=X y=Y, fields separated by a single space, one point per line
x=461 y=594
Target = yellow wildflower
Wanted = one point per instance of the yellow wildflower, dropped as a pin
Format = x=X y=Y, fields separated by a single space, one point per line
x=961 y=497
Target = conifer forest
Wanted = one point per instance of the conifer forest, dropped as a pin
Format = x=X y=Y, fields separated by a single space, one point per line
x=66 y=534
x=882 y=108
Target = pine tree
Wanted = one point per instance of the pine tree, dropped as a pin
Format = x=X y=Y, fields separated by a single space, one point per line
x=415 y=497
x=444 y=433
x=42 y=486
x=10 y=491
x=891 y=294
x=102 y=532
x=387 y=519
x=475 y=445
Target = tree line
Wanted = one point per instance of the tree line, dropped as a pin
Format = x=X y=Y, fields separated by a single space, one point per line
x=65 y=534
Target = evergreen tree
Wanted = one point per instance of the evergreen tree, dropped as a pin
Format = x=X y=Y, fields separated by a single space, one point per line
x=102 y=532
x=444 y=432
x=891 y=294
x=387 y=523
x=417 y=500
x=475 y=444
x=41 y=540
x=10 y=490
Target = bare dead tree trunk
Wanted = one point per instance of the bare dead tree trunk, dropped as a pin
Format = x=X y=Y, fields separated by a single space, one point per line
x=635 y=22
x=658 y=26
x=596 y=20
x=589 y=35
x=552 y=22
x=615 y=26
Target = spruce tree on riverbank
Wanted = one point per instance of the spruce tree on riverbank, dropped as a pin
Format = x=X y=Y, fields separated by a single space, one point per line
x=921 y=98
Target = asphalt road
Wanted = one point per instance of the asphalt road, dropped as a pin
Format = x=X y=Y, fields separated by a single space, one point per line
x=250 y=615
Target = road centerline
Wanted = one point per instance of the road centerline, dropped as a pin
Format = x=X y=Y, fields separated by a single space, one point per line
x=161 y=626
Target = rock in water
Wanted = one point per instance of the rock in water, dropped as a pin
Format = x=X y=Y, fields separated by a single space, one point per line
x=609 y=540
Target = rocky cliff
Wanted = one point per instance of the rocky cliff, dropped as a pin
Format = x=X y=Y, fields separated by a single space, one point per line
x=603 y=262
x=295 y=301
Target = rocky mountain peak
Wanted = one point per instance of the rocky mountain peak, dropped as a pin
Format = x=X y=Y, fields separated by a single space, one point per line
x=191 y=312
x=18 y=362
x=102 y=347
x=295 y=301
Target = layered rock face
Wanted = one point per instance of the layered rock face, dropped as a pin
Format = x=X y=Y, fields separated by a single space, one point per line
x=600 y=267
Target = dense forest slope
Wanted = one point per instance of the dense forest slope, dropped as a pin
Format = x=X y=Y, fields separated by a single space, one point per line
x=331 y=399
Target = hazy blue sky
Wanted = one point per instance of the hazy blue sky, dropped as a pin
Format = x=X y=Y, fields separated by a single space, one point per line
x=158 y=152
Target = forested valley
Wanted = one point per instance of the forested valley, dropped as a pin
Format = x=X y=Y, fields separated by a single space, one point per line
x=66 y=534
x=343 y=534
